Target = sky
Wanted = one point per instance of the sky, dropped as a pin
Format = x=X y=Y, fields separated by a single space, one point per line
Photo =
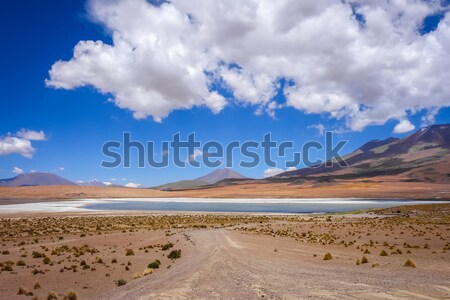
x=77 y=74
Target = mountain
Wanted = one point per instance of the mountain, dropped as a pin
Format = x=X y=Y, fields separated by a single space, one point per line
x=183 y=184
x=209 y=179
x=35 y=178
x=422 y=156
x=219 y=175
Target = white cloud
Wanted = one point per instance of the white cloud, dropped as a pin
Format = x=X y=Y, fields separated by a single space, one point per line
x=319 y=127
x=429 y=118
x=172 y=56
x=10 y=145
x=403 y=126
x=61 y=169
x=20 y=143
x=197 y=153
x=132 y=185
x=107 y=183
x=269 y=172
x=272 y=172
x=17 y=170
x=31 y=135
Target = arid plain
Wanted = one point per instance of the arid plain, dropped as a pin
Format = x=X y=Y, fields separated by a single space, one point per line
x=397 y=253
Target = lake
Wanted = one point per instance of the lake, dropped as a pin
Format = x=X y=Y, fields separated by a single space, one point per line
x=254 y=205
x=291 y=206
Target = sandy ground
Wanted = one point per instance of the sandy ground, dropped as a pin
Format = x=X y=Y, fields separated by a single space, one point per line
x=230 y=256
x=356 y=189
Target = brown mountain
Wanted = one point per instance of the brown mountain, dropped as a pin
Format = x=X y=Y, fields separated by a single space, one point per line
x=422 y=156
x=219 y=175
x=215 y=177
x=34 y=179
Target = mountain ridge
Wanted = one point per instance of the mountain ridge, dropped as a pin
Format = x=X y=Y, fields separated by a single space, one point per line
x=35 y=179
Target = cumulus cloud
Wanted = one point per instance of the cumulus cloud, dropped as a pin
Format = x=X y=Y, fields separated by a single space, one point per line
x=31 y=135
x=320 y=128
x=11 y=144
x=197 y=153
x=20 y=143
x=17 y=170
x=132 y=185
x=403 y=126
x=361 y=62
x=269 y=172
x=272 y=172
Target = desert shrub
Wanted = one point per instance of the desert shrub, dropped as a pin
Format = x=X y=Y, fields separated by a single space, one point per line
x=327 y=256
x=52 y=296
x=366 y=251
x=358 y=262
x=383 y=253
x=21 y=263
x=147 y=271
x=136 y=275
x=37 y=286
x=36 y=254
x=72 y=295
x=174 y=254
x=121 y=282
x=154 y=265
x=46 y=261
x=5 y=252
x=166 y=246
x=8 y=268
x=364 y=260
x=409 y=263
x=129 y=252
x=36 y=271
x=114 y=261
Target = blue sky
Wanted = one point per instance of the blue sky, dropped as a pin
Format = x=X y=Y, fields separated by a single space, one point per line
x=79 y=120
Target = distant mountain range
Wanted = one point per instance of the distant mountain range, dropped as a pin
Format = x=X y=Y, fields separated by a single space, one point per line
x=35 y=178
x=208 y=179
x=423 y=156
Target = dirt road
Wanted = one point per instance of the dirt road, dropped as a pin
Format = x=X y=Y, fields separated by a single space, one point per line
x=225 y=264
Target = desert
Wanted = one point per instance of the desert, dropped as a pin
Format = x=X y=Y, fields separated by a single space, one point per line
x=394 y=253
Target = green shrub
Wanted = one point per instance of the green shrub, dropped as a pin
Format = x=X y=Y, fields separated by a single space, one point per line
x=174 y=254
x=154 y=265
x=166 y=246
